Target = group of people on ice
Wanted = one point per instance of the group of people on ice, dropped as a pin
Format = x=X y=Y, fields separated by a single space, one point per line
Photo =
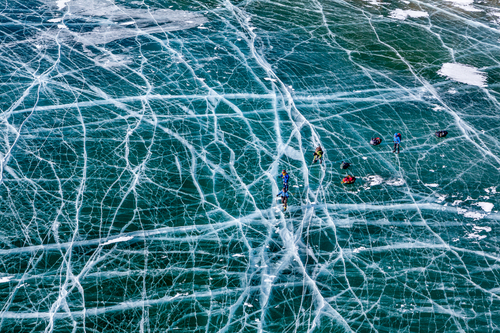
x=318 y=156
x=374 y=142
x=284 y=192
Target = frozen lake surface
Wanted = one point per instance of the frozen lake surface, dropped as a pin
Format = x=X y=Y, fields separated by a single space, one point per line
x=141 y=144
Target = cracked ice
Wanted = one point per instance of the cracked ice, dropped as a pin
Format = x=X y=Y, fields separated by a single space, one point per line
x=141 y=143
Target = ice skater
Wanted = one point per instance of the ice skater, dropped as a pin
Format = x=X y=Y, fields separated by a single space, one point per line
x=318 y=155
x=284 y=197
x=397 y=142
x=285 y=177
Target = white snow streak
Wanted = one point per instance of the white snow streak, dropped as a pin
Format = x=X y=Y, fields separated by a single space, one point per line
x=464 y=74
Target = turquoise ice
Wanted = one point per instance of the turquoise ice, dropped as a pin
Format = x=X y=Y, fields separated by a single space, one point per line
x=141 y=144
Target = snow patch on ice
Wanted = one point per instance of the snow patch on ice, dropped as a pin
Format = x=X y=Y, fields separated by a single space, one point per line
x=6 y=279
x=476 y=232
x=474 y=215
x=487 y=229
x=238 y=255
x=119 y=18
x=270 y=79
x=61 y=3
x=118 y=240
x=464 y=74
x=431 y=185
x=465 y=5
x=441 y=198
x=113 y=60
x=359 y=249
x=486 y=206
x=374 y=180
x=474 y=235
x=396 y=182
x=400 y=14
x=491 y=190
x=55 y=20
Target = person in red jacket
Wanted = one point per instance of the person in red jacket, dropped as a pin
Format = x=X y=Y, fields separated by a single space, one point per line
x=349 y=179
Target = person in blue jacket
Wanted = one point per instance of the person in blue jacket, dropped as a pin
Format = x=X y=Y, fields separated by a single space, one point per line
x=397 y=141
x=284 y=197
x=285 y=177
